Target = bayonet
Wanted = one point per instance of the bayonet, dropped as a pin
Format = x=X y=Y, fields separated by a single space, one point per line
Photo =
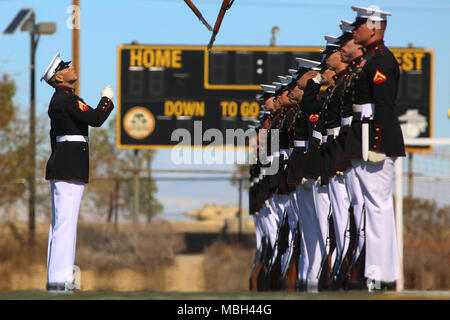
x=198 y=14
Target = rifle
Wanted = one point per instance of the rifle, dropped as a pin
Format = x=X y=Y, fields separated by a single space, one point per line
x=351 y=275
x=257 y=265
x=266 y=257
x=326 y=275
x=198 y=14
x=290 y=275
x=346 y=258
x=273 y=274
x=226 y=4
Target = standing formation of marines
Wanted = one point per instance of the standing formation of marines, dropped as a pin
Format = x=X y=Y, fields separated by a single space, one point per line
x=325 y=219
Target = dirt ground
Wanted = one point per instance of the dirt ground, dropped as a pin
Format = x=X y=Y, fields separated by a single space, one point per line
x=185 y=275
x=113 y=261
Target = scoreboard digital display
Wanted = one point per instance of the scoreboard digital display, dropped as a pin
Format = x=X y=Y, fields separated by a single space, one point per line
x=162 y=88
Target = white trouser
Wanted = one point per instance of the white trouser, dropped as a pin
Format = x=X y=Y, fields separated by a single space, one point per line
x=294 y=203
x=293 y=222
x=306 y=216
x=269 y=222
x=277 y=207
x=340 y=204
x=381 y=242
x=323 y=210
x=314 y=225
x=357 y=202
x=258 y=230
x=66 y=199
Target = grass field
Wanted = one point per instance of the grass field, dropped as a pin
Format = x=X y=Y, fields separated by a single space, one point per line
x=144 y=295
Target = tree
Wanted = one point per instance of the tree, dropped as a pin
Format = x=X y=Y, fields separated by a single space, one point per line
x=426 y=243
x=149 y=205
x=7 y=92
x=13 y=147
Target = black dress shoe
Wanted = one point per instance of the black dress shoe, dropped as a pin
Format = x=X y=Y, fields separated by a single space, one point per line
x=60 y=287
x=359 y=284
x=300 y=286
x=381 y=286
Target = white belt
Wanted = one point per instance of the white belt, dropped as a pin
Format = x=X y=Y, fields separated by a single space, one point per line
x=301 y=143
x=333 y=131
x=72 y=138
x=317 y=135
x=346 y=121
x=367 y=110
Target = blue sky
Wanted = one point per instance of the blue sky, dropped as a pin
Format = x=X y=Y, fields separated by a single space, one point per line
x=106 y=24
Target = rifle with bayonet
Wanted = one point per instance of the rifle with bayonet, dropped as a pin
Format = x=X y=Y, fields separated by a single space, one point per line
x=226 y=4
x=198 y=14
x=273 y=275
x=265 y=262
x=326 y=272
x=290 y=274
x=258 y=264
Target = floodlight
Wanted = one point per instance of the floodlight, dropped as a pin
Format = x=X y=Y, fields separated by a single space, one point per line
x=46 y=28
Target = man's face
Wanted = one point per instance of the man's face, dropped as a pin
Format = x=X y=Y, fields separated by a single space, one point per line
x=284 y=99
x=333 y=60
x=295 y=94
x=269 y=104
x=276 y=103
x=349 y=51
x=362 y=34
x=67 y=75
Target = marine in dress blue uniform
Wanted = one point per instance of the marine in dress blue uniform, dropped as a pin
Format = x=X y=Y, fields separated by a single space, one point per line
x=68 y=166
x=377 y=141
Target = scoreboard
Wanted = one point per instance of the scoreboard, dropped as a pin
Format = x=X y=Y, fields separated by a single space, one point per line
x=162 y=88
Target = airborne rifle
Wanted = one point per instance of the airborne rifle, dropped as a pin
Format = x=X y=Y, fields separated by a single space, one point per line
x=226 y=4
x=198 y=14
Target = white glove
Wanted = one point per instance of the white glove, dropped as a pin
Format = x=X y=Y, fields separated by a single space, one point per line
x=306 y=184
x=107 y=92
x=318 y=78
x=376 y=157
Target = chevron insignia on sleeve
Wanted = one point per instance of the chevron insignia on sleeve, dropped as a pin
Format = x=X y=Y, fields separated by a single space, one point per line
x=83 y=107
x=379 y=77
x=313 y=118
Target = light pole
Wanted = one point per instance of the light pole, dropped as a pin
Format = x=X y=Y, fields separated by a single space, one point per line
x=26 y=21
x=275 y=31
x=76 y=43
